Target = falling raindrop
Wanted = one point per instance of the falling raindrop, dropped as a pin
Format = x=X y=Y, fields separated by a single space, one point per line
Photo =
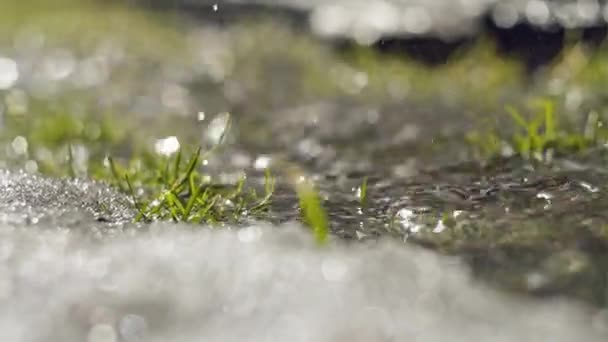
x=166 y=146
x=218 y=128
x=262 y=162
x=19 y=145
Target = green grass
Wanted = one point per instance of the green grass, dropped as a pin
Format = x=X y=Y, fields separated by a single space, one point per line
x=175 y=190
x=362 y=193
x=161 y=188
x=312 y=211
x=537 y=135
x=78 y=23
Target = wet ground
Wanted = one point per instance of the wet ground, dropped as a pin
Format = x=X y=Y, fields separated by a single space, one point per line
x=524 y=242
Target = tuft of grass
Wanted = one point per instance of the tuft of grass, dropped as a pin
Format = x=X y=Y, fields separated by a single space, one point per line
x=538 y=136
x=160 y=187
x=176 y=190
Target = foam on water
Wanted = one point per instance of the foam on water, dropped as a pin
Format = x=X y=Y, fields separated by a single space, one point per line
x=257 y=284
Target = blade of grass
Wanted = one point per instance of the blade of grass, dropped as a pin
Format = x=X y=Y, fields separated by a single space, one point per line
x=194 y=192
x=189 y=169
x=363 y=192
x=175 y=204
x=134 y=198
x=176 y=166
x=116 y=175
x=71 y=171
x=517 y=117
x=313 y=211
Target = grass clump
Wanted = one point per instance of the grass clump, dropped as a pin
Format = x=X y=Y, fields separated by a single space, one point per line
x=173 y=187
x=175 y=190
x=63 y=144
x=537 y=136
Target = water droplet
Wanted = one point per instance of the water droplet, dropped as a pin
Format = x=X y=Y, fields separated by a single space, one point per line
x=262 y=162
x=406 y=219
x=19 y=145
x=166 y=146
x=439 y=227
x=218 y=128
x=9 y=73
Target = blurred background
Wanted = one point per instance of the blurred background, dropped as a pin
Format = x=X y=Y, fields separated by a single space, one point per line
x=473 y=128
